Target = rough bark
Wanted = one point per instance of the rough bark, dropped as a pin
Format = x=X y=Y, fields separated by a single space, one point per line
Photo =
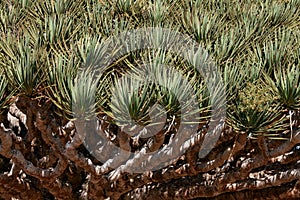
x=50 y=161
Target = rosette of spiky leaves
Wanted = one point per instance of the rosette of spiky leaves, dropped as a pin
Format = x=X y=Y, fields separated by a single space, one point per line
x=76 y=92
x=131 y=101
x=12 y=15
x=208 y=83
x=180 y=87
x=83 y=95
x=21 y=64
x=60 y=80
x=157 y=12
x=55 y=24
x=286 y=85
x=255 y=110
x=278 y=51
x=88 y=50
x=203 y=26
x=123 y=7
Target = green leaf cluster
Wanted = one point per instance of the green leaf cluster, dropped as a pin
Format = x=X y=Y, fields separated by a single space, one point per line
x=49 y=47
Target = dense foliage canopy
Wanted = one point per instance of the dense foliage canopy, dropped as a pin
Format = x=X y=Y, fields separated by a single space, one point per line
x=51 y=100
